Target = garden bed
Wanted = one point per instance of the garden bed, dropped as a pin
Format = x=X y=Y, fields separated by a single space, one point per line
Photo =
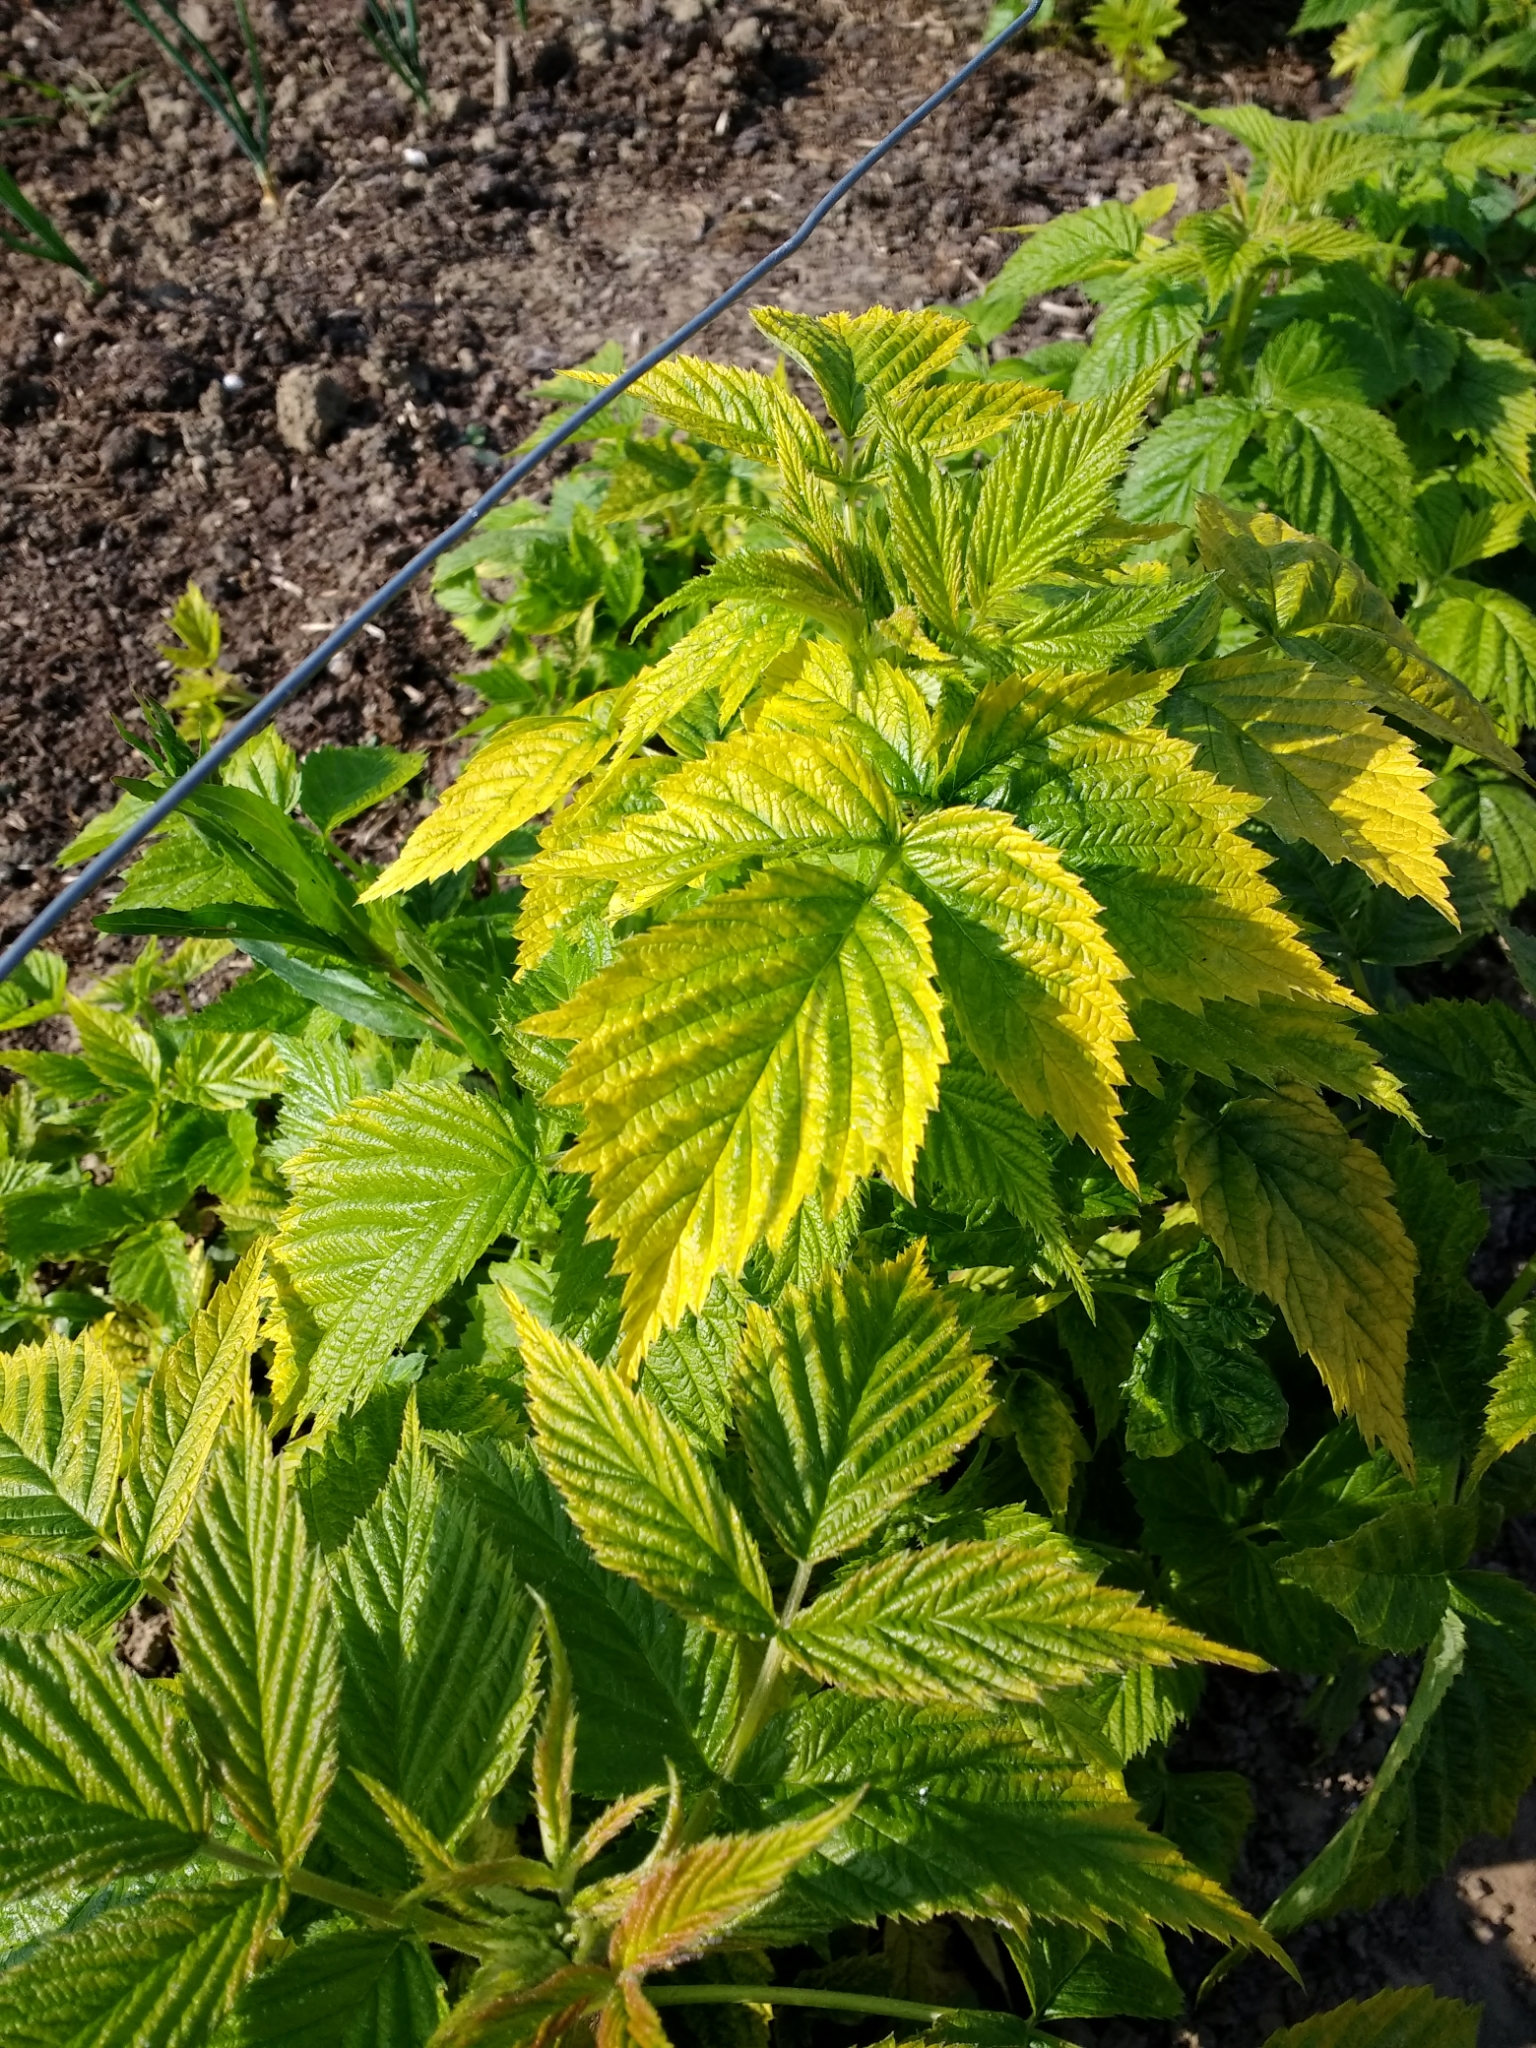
x=643 y=162
x=285 y=408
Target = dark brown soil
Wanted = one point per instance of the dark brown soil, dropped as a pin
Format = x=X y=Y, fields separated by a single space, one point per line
x=649 y=153
x=651 y=150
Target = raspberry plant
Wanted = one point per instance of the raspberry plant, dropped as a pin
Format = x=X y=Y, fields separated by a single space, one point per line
x=786 y=1312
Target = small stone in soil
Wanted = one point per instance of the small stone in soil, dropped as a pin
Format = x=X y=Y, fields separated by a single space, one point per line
x=310 y=407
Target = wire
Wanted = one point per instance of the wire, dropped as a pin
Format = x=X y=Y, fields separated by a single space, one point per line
x=90 y=879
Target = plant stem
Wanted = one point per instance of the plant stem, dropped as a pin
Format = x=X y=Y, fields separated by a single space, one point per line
x=755 y=1712
x=1232 y=376
x=1518 y=1288
x=789 y=1994
x=350 y=1899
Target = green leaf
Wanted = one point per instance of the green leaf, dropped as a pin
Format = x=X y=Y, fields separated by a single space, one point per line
x=1195 y=1375
x=1392 y=1579
x=98 y=1776
x=393 y=1202
x=60 y=1438
x=689 y=1370
x=792 y=1020
x=1414 y=2018
x=730 y=652
x=757 y=794
x=652 y=1691
x=151 y=1268
x=33 y=990
x=339 y=1479
x=1462 y=1756
x=1189 y=453
x=181 y=1411
x=1049 y=486
x=1074 y=248
x=1511 y=1418
x=437 y=1638
x=1343 y=473
x=343 y=1987
x=1469 y=1070
x=851 y=1396
x=980 y=1146
x=975 y=1623
x=686 y=1901
x=337 y=783
x=857 y=358
x=963 y=1812
x=1277 y=1039
x=1185 y=899
x=160 y=1973
x=1303 y=1214
x=1485 y=637
x=1319 y=608
x=48 y=1585
x=1207 y=1814
x=1070 y=1976
x=257 y=1649
x=637 y=1489
x=1046 y=1432
x=1153 y=315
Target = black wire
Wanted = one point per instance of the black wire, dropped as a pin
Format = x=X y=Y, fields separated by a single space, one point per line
x=91 y=877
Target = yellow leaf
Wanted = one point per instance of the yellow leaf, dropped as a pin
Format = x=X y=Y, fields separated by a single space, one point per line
x=730 y=652
x=776 y=1042
x=1028 y=969
x=526 y=768
x=774 y=796
x=1185 y=900
x=1329 y=770
x=1317 y=607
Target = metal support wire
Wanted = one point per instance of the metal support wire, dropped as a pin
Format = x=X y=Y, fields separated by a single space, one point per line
x=92 y=876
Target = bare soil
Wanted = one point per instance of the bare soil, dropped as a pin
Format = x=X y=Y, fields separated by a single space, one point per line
x=649 y=153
